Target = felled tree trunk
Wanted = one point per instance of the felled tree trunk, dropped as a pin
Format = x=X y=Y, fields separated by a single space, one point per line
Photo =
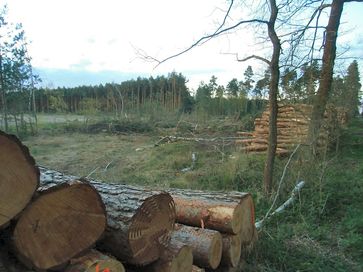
x=19 y=177
x=205 y=212
x=229 y=212
x=206 y=244
x=139 y=220
x=62 y=222
x=177 y=257
x=94 y=261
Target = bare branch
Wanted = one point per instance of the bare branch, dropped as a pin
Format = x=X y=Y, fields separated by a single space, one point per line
x=254 y=57
x=208 y=37
x=248 y=58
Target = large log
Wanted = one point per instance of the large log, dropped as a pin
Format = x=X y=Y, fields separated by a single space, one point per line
x=205 y=212
x=139 y=220
x=243 y=200
x=94 y=261
x=206 y=244
x=62 y=222
x=19 y=177
x=210 y=209
x=177 y=257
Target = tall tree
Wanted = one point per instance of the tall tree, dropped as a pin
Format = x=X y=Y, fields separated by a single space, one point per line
x=352 y=89
x=15 y=68
x=326 y=78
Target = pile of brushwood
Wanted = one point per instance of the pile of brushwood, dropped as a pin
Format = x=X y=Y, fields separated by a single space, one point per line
x=56 y=222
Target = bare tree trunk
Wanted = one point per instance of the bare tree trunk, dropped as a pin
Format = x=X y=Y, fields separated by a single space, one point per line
x=326 y=77
x=3 y=95
x=275 y=75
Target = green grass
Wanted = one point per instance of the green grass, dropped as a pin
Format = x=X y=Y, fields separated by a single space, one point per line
x=322 y=231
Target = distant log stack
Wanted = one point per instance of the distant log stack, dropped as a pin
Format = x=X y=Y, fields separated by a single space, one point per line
x=292 y=128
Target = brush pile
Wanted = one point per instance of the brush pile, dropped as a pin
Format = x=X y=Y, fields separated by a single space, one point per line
x=52 y=221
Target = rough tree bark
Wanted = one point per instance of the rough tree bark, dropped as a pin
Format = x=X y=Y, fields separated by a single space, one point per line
x=243 y=201
x=326 y=77
x=139 y=220
x=207 y=213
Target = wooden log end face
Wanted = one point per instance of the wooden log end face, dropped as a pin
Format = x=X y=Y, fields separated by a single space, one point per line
x=184 y=261
x=248 y=220
x=234 y=251
x=150 y=229
x=19 y=177
x=60 y=224
x=215 y=255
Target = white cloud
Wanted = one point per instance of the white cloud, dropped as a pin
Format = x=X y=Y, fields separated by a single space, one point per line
x=99 y=35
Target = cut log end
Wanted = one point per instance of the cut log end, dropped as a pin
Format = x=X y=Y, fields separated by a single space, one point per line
x=149 y=232
x=236 y=220
x=19 y=177
x=62 y=222
x=248 y=220
x=94 y=261
x=215 y=254
x=231 y=253
x=183 y=262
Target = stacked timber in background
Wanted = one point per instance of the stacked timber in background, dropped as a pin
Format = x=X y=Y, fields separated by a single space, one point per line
x=49 y=220
x=292 y=128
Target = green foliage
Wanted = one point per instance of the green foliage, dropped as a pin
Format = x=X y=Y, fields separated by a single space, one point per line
x=57 y=104
x=16 y=76
x=346 y=90
x=322 y=231
x=89 y=106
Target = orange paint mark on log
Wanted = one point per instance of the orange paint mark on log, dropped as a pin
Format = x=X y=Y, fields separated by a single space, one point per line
x=104 y=270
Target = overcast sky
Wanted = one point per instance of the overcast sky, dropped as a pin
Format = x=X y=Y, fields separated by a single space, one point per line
x=86 y=42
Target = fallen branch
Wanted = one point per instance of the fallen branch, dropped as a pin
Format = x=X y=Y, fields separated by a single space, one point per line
x=287 y=203
x=169 y=139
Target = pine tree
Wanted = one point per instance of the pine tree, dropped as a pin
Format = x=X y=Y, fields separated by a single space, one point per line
x=352 y=89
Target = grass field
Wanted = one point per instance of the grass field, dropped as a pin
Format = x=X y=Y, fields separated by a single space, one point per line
x=323 y=231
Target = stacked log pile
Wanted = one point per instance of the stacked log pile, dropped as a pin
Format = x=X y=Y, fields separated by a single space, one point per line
x=58 y=222
x=292 y=128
